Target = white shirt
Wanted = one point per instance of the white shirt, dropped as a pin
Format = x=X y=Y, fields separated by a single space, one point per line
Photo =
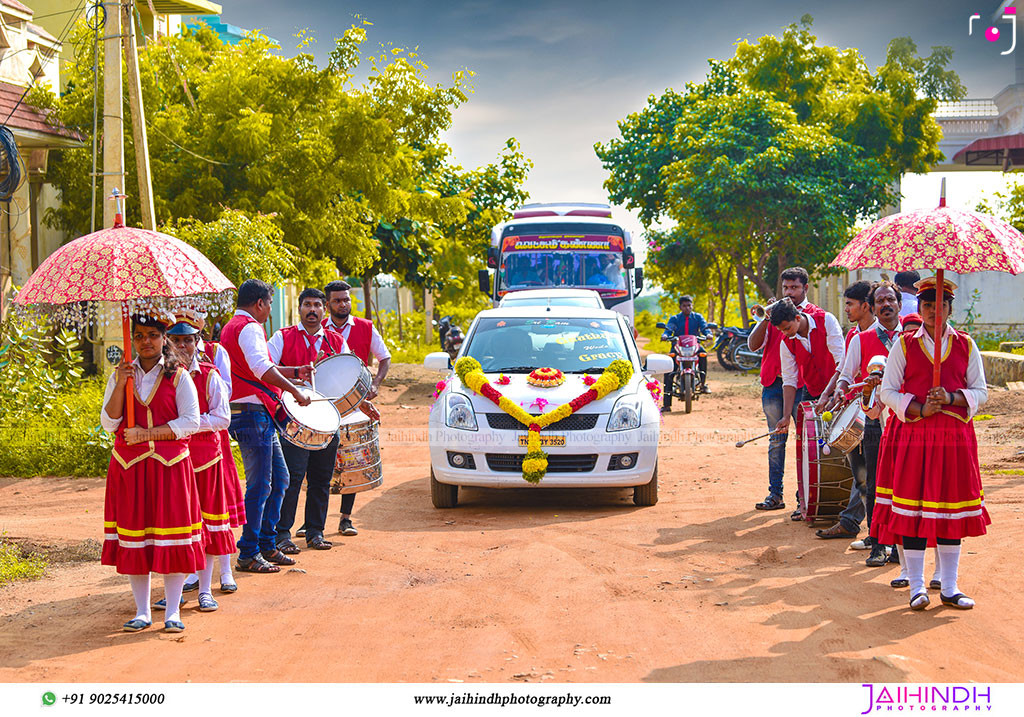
x=909 y=305
x=253 y=342
x=851 y=364
x=377 y=346
x=834 y=339
x=276 y=343
x=976 y=392
x=223 y=363
x=219 y=417
x=185 y=397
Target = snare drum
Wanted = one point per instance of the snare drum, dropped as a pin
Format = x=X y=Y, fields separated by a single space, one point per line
x=345 y=380
x=358 y=465
x=311 y=427
x=825 y=480
x=847 y=428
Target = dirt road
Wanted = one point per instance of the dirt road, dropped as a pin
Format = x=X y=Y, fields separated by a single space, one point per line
x=542 y=585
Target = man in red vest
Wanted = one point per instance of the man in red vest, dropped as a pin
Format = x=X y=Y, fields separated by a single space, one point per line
x=767 y=338
x=302 y=345
x=876 y=340
x=362 y=339
x=256 y=386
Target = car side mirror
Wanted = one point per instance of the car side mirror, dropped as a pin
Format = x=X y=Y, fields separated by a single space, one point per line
x=483 y=278
x=659 y=364
x=639 y=273
x=713 y=327
x=438 y=361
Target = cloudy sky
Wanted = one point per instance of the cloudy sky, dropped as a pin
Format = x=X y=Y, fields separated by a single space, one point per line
x=559 y=74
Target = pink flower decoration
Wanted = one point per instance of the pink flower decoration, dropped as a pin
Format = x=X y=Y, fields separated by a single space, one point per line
x=504 y=380
x=589 y=380
x=441 y=386
x=540 y=403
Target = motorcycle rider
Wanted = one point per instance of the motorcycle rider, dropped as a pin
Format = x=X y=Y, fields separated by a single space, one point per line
x=688 y=322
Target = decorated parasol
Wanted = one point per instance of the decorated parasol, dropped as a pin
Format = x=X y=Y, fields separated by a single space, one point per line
x=942 y=239
x=141 y=270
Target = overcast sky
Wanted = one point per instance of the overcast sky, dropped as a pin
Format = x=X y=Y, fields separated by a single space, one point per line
x=558 y=75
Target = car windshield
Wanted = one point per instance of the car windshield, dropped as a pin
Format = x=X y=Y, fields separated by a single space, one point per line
x=572 y=345
x=588 y=301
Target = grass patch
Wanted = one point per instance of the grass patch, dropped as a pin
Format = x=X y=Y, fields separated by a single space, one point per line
x=1007 y=472
x=984 y=417
x=19 y=564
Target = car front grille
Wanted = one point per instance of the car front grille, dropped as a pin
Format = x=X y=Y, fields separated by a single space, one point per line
x=557 y=463
x=575 y=422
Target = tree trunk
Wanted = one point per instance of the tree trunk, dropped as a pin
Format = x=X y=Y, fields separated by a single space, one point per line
x=428 y=309
x=741 y=287
x=367 y=304
x=783 y=260
x=398 y=309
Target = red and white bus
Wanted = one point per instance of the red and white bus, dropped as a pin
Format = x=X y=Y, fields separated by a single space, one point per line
x=570 y=246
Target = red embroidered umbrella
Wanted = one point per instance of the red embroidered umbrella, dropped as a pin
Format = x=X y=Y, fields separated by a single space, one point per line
x=143 y=271
x=943 y=239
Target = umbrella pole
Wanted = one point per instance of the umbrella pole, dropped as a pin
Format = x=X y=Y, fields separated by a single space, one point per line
x=129 y=388
x=940 y=329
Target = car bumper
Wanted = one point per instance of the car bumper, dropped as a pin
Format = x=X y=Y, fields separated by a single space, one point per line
x=598 y=446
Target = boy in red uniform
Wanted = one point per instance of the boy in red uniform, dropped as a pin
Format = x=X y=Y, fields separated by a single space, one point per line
x=930 y=451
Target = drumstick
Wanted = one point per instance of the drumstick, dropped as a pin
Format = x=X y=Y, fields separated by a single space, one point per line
x=740 y=444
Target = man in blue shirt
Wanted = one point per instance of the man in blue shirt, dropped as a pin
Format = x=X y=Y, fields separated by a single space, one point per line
x=688 y=321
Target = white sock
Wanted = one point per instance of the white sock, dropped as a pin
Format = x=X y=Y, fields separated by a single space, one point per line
x=173 y=584
x=140 y=591
x=903 y=562
x=225 y=569
x=206 y=576
x=915 y=570
x=938 y=565
x=950 y=567
x=192 y=578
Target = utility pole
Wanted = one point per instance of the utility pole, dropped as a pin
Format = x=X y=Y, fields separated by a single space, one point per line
x=131 y=59
x=113 y=109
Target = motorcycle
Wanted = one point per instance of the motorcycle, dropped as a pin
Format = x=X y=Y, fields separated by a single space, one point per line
x=723 y=347
x=685 y=383
x=741 y=356
x=450 y=335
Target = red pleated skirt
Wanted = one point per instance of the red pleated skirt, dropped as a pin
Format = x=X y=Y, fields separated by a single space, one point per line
x=151 y=518
x=213 y=504
x=232 y=484
x=928 y=483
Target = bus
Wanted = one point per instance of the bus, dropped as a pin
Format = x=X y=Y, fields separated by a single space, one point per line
x=569 y=246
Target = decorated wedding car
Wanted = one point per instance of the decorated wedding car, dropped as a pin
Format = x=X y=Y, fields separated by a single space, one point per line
x=548 y=397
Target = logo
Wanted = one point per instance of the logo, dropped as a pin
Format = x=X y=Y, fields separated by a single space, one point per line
x=114 y=355
x=993 y=33
x=926 y=698
x=49 y=698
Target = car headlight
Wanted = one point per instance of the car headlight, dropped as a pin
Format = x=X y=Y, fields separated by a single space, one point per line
x=625 y=415
x=459 y=413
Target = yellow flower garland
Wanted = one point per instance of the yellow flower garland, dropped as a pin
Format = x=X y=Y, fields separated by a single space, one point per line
x=535 y=463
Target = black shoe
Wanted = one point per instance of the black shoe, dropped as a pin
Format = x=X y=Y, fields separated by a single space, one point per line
x=796 y=516
x=894 y=555
x=772 y=502
x=190 y=587
x=345 y=527
x=877 y=558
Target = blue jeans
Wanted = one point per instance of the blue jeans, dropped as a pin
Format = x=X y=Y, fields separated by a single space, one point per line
x=266 y=480
x=771 y=404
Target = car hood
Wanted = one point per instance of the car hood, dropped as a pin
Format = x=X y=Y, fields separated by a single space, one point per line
x=522 y=393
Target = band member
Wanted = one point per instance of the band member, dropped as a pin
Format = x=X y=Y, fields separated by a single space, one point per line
x=873 y=341
x=858 y=313
x=256 y=387
x=906 y=281
x=686 y=323
x=208 y=458
x=767 y=338
x=151 y=514
x=304 y=344
x=931 y=449
x=363 y=340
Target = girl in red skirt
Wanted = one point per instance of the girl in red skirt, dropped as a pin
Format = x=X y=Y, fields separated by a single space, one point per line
x=932 y=490
x=151 y=514
x=207 y=453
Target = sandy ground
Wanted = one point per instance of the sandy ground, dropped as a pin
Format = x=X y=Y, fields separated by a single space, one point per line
x=542 y=585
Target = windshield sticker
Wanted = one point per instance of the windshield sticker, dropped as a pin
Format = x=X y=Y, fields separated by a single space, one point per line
x=600 y=356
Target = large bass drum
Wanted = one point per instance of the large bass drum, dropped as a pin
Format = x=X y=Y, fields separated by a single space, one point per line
x=358 y=465
x=824 y=475
x=345 y=380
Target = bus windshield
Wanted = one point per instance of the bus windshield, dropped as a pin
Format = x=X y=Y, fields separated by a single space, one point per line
x=532 y=261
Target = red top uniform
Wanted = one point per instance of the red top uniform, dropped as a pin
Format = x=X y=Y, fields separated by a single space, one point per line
x=208 y=459
x=929 y=481
x=151 y=516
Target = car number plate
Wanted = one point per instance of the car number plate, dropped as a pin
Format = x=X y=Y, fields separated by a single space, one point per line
x=546 y=441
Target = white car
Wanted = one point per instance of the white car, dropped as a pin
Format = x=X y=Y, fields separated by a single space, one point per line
x=552 y=297
x=610 y=443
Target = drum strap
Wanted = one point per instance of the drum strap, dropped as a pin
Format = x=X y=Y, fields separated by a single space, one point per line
x=884 y=337
x=280 y=406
